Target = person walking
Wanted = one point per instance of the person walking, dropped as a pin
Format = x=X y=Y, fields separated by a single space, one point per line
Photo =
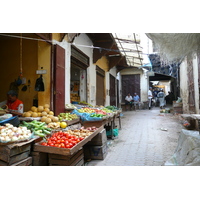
x=161 y=98
x=136 y=100
x=150 y=96
x=128 y=101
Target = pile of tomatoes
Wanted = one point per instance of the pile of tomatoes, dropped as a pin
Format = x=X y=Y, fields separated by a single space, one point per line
x=62 y=140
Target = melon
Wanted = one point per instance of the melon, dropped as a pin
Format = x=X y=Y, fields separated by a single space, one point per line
x=48 y=120
x=39 y=114
x=44 y=113
x=46 y=110
x=43 y=119
x=55 y=119
x=51 y=113
x=27 y=114
x=46 y=106
x=34 y=114
x=40 y=108
x=34 y=109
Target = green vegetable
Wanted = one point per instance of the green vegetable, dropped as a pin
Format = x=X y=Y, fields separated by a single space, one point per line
x=37 y=127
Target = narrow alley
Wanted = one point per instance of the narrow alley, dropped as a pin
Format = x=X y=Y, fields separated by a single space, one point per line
x=147 y=138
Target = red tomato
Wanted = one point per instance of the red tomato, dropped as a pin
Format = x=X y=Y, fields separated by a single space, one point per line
x=74 y=142
x=70 y=145
x=58 y=141
x=49 y=142
x=53 y=138
x=44 y=143
x=81 y=138
x=66 y=142
x=70 y=140
x=67 y=146
x=62 y=140
x=78 y=140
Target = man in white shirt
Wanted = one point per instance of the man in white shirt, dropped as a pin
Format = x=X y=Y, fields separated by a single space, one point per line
x=150 y=96
x=128 y=101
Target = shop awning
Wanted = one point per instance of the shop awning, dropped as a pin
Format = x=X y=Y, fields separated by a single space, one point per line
x=129 y=46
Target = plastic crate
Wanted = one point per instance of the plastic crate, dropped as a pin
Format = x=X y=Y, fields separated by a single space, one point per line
x=13 y=120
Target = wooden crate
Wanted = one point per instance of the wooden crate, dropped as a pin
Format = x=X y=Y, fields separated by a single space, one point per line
x=25 y=162
x=100 y=139
x=63 y=151
x=95 y=152
x=74 y=121
x=62 y=160
x=39 y=158
x=13 y=153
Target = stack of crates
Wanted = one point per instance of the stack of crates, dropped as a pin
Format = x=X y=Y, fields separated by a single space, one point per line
x=97 y=148
x=17 y=154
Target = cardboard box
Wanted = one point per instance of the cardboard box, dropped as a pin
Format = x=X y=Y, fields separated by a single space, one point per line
x=100 y=139
x=95 y=152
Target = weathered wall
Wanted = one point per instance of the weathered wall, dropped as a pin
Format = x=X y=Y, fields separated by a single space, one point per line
x=184 y=85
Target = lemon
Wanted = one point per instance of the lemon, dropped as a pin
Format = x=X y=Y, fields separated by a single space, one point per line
x=63 y=124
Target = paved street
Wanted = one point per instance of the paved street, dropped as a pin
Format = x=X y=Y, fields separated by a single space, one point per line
x=143 y=139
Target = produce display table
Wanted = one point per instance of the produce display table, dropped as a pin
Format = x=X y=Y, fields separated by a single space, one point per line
x=65 y=151
x=110 y=121
x=74 y=121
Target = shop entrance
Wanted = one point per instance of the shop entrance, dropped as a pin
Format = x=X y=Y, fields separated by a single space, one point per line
x=78 y=81
x=130 y=84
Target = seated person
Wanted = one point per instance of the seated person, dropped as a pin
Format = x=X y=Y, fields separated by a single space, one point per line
x=14 y=105
x=128 y=100
x=136 y=100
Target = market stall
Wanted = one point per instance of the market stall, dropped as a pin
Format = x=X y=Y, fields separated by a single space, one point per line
x=39 y=138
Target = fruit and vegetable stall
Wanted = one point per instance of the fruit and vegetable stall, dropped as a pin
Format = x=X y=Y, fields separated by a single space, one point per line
x=39 y=138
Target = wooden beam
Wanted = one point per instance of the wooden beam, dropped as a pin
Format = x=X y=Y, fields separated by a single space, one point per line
x=114 y=60
x=98 y=53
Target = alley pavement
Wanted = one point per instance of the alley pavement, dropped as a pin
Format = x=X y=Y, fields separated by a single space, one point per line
x=147 y=138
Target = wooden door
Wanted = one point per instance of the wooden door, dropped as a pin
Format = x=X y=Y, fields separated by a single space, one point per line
x=59 y=80
x=100 y=88
x=130 y=84
x=112 y=91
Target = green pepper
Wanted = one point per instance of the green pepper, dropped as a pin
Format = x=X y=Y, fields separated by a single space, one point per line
x=39 y=134
x=46 y=132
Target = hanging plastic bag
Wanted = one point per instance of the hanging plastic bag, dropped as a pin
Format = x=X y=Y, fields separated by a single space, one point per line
x=39 y=85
